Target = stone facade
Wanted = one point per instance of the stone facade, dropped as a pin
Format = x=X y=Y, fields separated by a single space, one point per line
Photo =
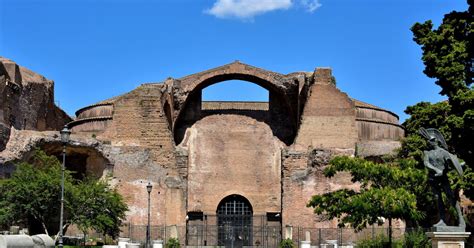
x=198 y=153
x=26 y=101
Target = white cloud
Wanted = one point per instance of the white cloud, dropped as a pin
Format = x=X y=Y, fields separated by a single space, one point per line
x=311 y=5
x=247 y=9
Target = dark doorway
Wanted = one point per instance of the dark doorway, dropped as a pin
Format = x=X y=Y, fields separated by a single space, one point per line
x=234 y=220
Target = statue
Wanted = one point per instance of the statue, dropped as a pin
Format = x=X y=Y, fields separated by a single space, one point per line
x=438 y=160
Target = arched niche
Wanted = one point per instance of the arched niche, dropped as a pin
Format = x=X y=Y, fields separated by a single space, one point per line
x=81 y=160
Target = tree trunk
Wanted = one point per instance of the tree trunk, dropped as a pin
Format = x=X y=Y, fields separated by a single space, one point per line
x=44 y=227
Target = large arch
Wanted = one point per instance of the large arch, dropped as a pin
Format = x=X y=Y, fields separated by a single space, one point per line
x=234 y=221
x=283 y=96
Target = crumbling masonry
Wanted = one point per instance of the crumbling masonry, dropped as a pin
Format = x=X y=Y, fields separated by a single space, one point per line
x=201 y=155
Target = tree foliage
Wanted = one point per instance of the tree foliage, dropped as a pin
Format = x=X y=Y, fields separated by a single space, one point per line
x=34 y=189
x=172 y=243
x=387 y=190
x=34 y=192
x=398 y=188
x=97 y=206
x=286 y=243
x=448 y=56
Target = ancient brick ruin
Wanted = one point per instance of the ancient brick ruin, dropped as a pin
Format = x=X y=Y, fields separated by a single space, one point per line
x=202 y=156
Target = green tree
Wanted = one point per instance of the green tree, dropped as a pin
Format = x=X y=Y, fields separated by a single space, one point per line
x=34 y=189
x=97 y=206
x=33 y=192
x=448 y=56
x=387 y=190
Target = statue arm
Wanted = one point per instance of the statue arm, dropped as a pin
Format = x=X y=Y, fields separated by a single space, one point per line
x=455 y=162
x=428 y=165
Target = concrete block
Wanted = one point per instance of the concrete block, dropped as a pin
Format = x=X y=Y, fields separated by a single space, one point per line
x=42 y=241
x=305 y=244
x=16 y=241
x=14 y=230
x=122 y=242
x=448 y=239
x=133 y=245
x=157 y=243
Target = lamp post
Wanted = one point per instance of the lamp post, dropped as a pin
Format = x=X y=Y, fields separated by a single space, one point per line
x=148 y=189
x=64 y=139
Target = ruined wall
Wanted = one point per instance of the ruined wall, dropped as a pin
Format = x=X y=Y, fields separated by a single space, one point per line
x=379 y=131
x=374 y=123
x=302 y=177
x=27 y=101
x=194 y=157
x=232 y=154
x=328 y=117
x=140 y=130
x=94 y=119
x=226 y=105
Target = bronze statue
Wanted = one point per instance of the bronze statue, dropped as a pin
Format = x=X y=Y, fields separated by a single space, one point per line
x=438 y=160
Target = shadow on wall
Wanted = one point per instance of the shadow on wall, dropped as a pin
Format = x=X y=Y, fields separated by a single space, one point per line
x=82 y=161
x=274 y=113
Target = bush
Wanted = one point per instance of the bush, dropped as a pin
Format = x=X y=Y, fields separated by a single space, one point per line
x=286 y=243
x=416 y=238
x=380 y=241
x=172 y=243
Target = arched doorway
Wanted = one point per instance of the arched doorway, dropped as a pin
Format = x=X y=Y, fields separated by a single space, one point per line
x=234 y=220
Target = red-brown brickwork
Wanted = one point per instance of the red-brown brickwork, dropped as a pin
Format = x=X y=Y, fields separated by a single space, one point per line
x=197 y=153
x=328 y=119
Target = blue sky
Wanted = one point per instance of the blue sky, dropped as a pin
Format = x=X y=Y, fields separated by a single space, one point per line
x=97 y=49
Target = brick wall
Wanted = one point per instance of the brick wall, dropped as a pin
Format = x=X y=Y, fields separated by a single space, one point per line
x=328 y=118
x=302 y=177
x=231 y=154
x=142 y=133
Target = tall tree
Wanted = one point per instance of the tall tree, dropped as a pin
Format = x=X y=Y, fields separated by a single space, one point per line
x=448 y=56
x=33 y=193
x=399 y=189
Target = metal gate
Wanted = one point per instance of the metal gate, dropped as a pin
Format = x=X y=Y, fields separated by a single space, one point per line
x=233 y=226
x=234 y=221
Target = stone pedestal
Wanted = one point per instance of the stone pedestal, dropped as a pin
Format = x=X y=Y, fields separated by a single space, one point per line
x=288 y=232
x=448 y=239
x=305 y=244
x=157 y=243
x=133 y=245
x=122 y=242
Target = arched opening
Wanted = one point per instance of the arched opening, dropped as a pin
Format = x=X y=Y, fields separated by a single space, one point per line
x=236 y=94
x=234 y=221
x=81 y=161
x=235 y=91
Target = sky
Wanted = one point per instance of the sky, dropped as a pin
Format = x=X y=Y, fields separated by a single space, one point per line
x=98 y=49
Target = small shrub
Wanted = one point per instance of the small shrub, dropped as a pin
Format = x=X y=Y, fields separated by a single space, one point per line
x=380 y=241
x=172 y=243
x=416 y=238
x=286 y=243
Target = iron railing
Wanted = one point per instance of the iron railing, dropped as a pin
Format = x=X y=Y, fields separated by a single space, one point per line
x=268 y=235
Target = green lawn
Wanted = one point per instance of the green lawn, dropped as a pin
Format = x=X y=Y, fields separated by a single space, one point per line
x=79 y=246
